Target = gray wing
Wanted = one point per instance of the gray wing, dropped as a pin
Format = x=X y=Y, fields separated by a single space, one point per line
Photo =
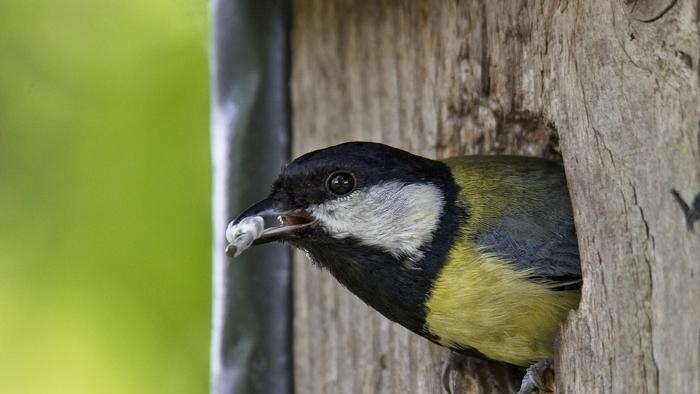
x=542 y=241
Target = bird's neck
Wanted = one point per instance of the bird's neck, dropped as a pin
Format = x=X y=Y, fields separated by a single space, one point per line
x=397 y=288
x=377 y=278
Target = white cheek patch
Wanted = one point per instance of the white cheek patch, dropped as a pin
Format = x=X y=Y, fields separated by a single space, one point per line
x=394 y=216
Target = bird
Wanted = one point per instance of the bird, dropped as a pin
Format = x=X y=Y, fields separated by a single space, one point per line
x=477 y=254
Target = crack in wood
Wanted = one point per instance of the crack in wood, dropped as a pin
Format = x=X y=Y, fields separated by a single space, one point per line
x=691 y=213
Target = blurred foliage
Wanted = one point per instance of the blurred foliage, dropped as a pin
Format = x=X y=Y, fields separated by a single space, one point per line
x=104 y=197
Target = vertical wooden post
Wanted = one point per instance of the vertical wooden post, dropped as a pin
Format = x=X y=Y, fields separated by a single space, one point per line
x=628 y=123
x=615 y=82
x=251 y=333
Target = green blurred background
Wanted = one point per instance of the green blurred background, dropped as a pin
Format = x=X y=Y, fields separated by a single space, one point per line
x=104 y=197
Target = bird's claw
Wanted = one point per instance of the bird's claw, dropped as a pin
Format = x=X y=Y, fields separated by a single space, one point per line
x=533 y=378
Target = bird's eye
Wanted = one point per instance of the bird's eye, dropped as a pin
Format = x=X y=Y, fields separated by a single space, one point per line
x=341 y=183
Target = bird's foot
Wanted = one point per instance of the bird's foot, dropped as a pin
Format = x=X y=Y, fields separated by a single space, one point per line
x=534 y=377
x=452 y=363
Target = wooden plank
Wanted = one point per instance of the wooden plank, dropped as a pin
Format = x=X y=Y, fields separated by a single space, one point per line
x=448 y=78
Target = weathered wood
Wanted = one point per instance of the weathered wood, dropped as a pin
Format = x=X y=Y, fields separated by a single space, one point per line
x=628 y=122
x=448 y=78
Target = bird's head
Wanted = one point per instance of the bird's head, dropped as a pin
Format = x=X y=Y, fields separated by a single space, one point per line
x=367 y=194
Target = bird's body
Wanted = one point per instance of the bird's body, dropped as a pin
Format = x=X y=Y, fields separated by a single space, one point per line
x=476 y=253
x=507 y=281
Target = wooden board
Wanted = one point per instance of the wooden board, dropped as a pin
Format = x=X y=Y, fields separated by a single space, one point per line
x=447 y=78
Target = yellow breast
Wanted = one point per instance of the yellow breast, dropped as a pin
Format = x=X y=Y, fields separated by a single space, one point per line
x=480 y=301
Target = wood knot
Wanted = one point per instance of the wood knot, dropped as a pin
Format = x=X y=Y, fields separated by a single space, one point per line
x=648 y=10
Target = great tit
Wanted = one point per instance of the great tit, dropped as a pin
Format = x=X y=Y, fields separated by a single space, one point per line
x=475 y=253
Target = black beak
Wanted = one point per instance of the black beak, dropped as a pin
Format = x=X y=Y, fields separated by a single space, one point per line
x=291 y=222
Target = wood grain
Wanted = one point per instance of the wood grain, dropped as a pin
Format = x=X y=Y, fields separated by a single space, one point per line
x=460 y=77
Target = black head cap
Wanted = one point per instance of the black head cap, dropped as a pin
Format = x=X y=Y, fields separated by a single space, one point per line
x=305 y=180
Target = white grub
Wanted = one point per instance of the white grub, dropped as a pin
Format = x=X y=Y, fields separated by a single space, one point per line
x=242 y=234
